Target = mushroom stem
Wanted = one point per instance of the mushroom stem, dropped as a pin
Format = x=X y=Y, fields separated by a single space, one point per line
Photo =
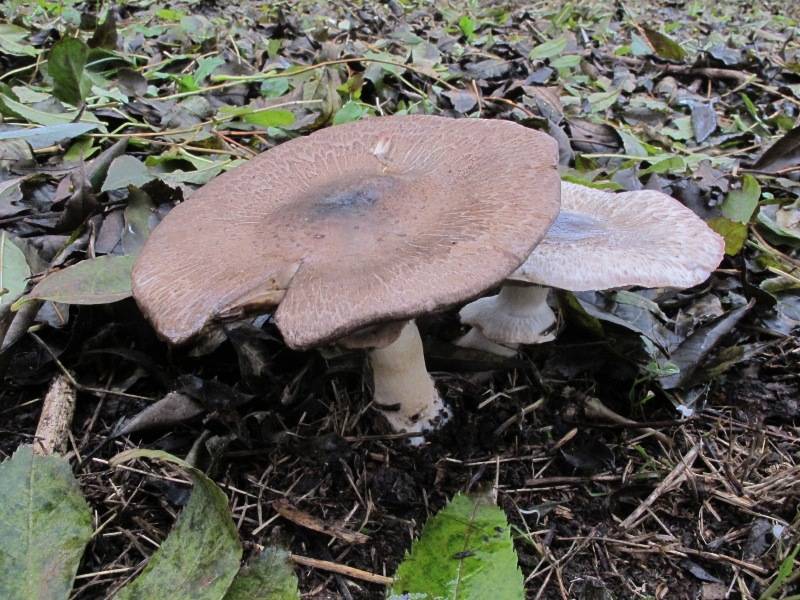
x=404 y=391
x=519 y=314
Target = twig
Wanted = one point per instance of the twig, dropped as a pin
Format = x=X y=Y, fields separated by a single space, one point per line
x=303 y=519
x=519 y=416
x=352 y=572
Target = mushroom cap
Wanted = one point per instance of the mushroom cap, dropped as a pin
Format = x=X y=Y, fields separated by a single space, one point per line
x=373 y=221
x=602 y=240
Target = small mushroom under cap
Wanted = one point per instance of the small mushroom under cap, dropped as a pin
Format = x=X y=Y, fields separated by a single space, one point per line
x=352 y=226
x=600 y=240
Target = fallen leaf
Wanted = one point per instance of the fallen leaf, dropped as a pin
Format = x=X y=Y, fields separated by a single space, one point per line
x=266 y=576
x=783 y=154
x=126 y=170
x=94 y=281
x=66 y=64
x=45 y=525
x=465 y=552
x=691 y=353
x=740 y=204
x=14 y=271
x=200 y=557
x=664 y=46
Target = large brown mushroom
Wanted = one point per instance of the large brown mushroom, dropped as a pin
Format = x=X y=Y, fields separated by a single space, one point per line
x=351 y=227
x=599 y=241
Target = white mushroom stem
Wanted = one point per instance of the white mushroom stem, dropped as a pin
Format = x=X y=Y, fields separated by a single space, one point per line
x=519 y=314
x=404 y=391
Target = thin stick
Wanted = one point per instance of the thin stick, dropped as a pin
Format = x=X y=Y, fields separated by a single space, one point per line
x=352 y=572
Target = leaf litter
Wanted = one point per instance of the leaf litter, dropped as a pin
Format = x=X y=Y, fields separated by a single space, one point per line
x=111 y=118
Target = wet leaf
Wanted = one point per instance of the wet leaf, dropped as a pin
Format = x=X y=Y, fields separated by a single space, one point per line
x=93 y=281
x=172 y=409
x=462 y=100
x=664 y=46
x=10 y=196
x=105 y=34
x=45 y=525
x=131 y=82
x=783 y=154
x=740 y=204
x=267 y=576
x=465 y=552
x=14 y=271
x=704 y=121
x=691 y=353
x=66 y=64
x=200 y=557
x=126 y=170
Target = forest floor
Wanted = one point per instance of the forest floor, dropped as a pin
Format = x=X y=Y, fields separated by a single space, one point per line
x=699 y=499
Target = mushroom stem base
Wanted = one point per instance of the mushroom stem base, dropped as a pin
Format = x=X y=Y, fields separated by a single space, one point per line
x=519 y=314
x=404 y=391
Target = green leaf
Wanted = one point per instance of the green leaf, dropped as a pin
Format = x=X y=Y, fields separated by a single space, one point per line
x=467 y=26
x=673 y=164
x=206 y=66
x=198 y=176
x=66 y=66
x=600 y=101
x=639 y=46
x=201 y=555
x=664 y=47
x=272 y=88
x=138 y=224
x=269 y=118
x=126 y=170
x=263 y=117
x=734 y=233
x=268 y=576
x=11 y=37
x=568 y=61
x=41 y=137
x=14 y=271
x=41 y=117
x=45 y=525
x=352 y=111
x=465 y=553
x=548 y=49
x=740 y=204
x=94 y=281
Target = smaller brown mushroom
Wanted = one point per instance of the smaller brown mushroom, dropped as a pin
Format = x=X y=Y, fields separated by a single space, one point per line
x=599 y=241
